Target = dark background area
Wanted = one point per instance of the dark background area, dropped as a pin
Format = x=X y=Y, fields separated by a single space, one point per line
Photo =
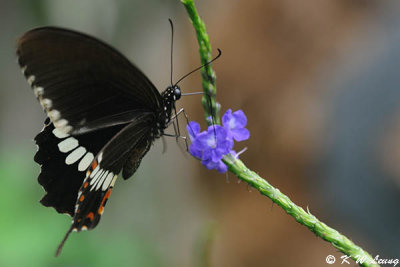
x=319 y=82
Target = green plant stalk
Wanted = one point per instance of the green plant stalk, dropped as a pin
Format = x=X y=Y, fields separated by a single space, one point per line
x=210 y=105
x=237 y=167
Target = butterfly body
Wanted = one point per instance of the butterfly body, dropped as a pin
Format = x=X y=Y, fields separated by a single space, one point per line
x=170 y=95
x=103 y=114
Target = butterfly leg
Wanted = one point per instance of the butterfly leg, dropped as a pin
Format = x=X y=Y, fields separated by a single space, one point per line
x=183 y=137
x=176 y=127
x=182 y=111
x=177 y=133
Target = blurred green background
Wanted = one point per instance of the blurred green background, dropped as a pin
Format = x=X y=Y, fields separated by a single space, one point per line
x=319 y=82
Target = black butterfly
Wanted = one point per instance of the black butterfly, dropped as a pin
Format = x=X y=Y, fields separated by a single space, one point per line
x=103 y=116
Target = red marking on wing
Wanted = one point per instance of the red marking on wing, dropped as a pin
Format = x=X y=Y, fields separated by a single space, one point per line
x=103 y=202
x=90 y=216
x=94 y=164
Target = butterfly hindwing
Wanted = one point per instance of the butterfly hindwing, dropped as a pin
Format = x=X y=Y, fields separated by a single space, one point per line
x=133 y=141
x=93 y=196
x=135 y=157
x=64 y=160
x=99 y=181
x=82 y=83
x=129 y=144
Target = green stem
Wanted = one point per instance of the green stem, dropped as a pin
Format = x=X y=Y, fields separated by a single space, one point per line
x=210 y=105
x=237 y=167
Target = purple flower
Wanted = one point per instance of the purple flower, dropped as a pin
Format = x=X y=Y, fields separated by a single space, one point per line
x=219 y=165
x=235 y=123
x=193 y=129
x=214 y=143
x=210 y=146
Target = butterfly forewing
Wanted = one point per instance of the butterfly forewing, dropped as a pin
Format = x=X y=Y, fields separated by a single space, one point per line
x=81 y=82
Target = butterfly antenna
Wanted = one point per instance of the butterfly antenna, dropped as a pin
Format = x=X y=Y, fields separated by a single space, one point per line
x=172 y=47
x=196 y=69
x=63 y=241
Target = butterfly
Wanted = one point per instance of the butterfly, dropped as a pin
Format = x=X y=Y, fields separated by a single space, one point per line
x=103 y=114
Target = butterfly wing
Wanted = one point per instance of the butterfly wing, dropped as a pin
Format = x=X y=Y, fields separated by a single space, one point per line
x=125 y=150
x=64 y=160
x=82 y=83
x=102 y=119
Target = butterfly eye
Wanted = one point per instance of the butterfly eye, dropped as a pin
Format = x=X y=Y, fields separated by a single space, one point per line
x=177 y=92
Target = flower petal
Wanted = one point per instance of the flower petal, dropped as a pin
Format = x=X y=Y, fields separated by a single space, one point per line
x=216 y=155
x=211 y=145
x=195 y=151
x=193 y=129
x=240 y=118
x=205 y=140
x=226 y=118
x=240 y=134
x=221 y=167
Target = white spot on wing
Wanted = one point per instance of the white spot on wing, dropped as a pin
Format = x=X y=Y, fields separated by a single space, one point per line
x=31 y=79
x=61 y=123
x=75 y=155
x=96 y=177
x=107 y=181
x=100 y=157
x=113 y=181
x=95 y=171
x=38 y=91
x=101 y=181
x=59 y=134
x=68 y=129
x=68 y=144
x=23 y=69
x=46 y=103
x=54 y=114
x=85 y=162
x=99 y=178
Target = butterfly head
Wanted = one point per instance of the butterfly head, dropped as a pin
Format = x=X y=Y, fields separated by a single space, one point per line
x=175 y=92
x=170 y=95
